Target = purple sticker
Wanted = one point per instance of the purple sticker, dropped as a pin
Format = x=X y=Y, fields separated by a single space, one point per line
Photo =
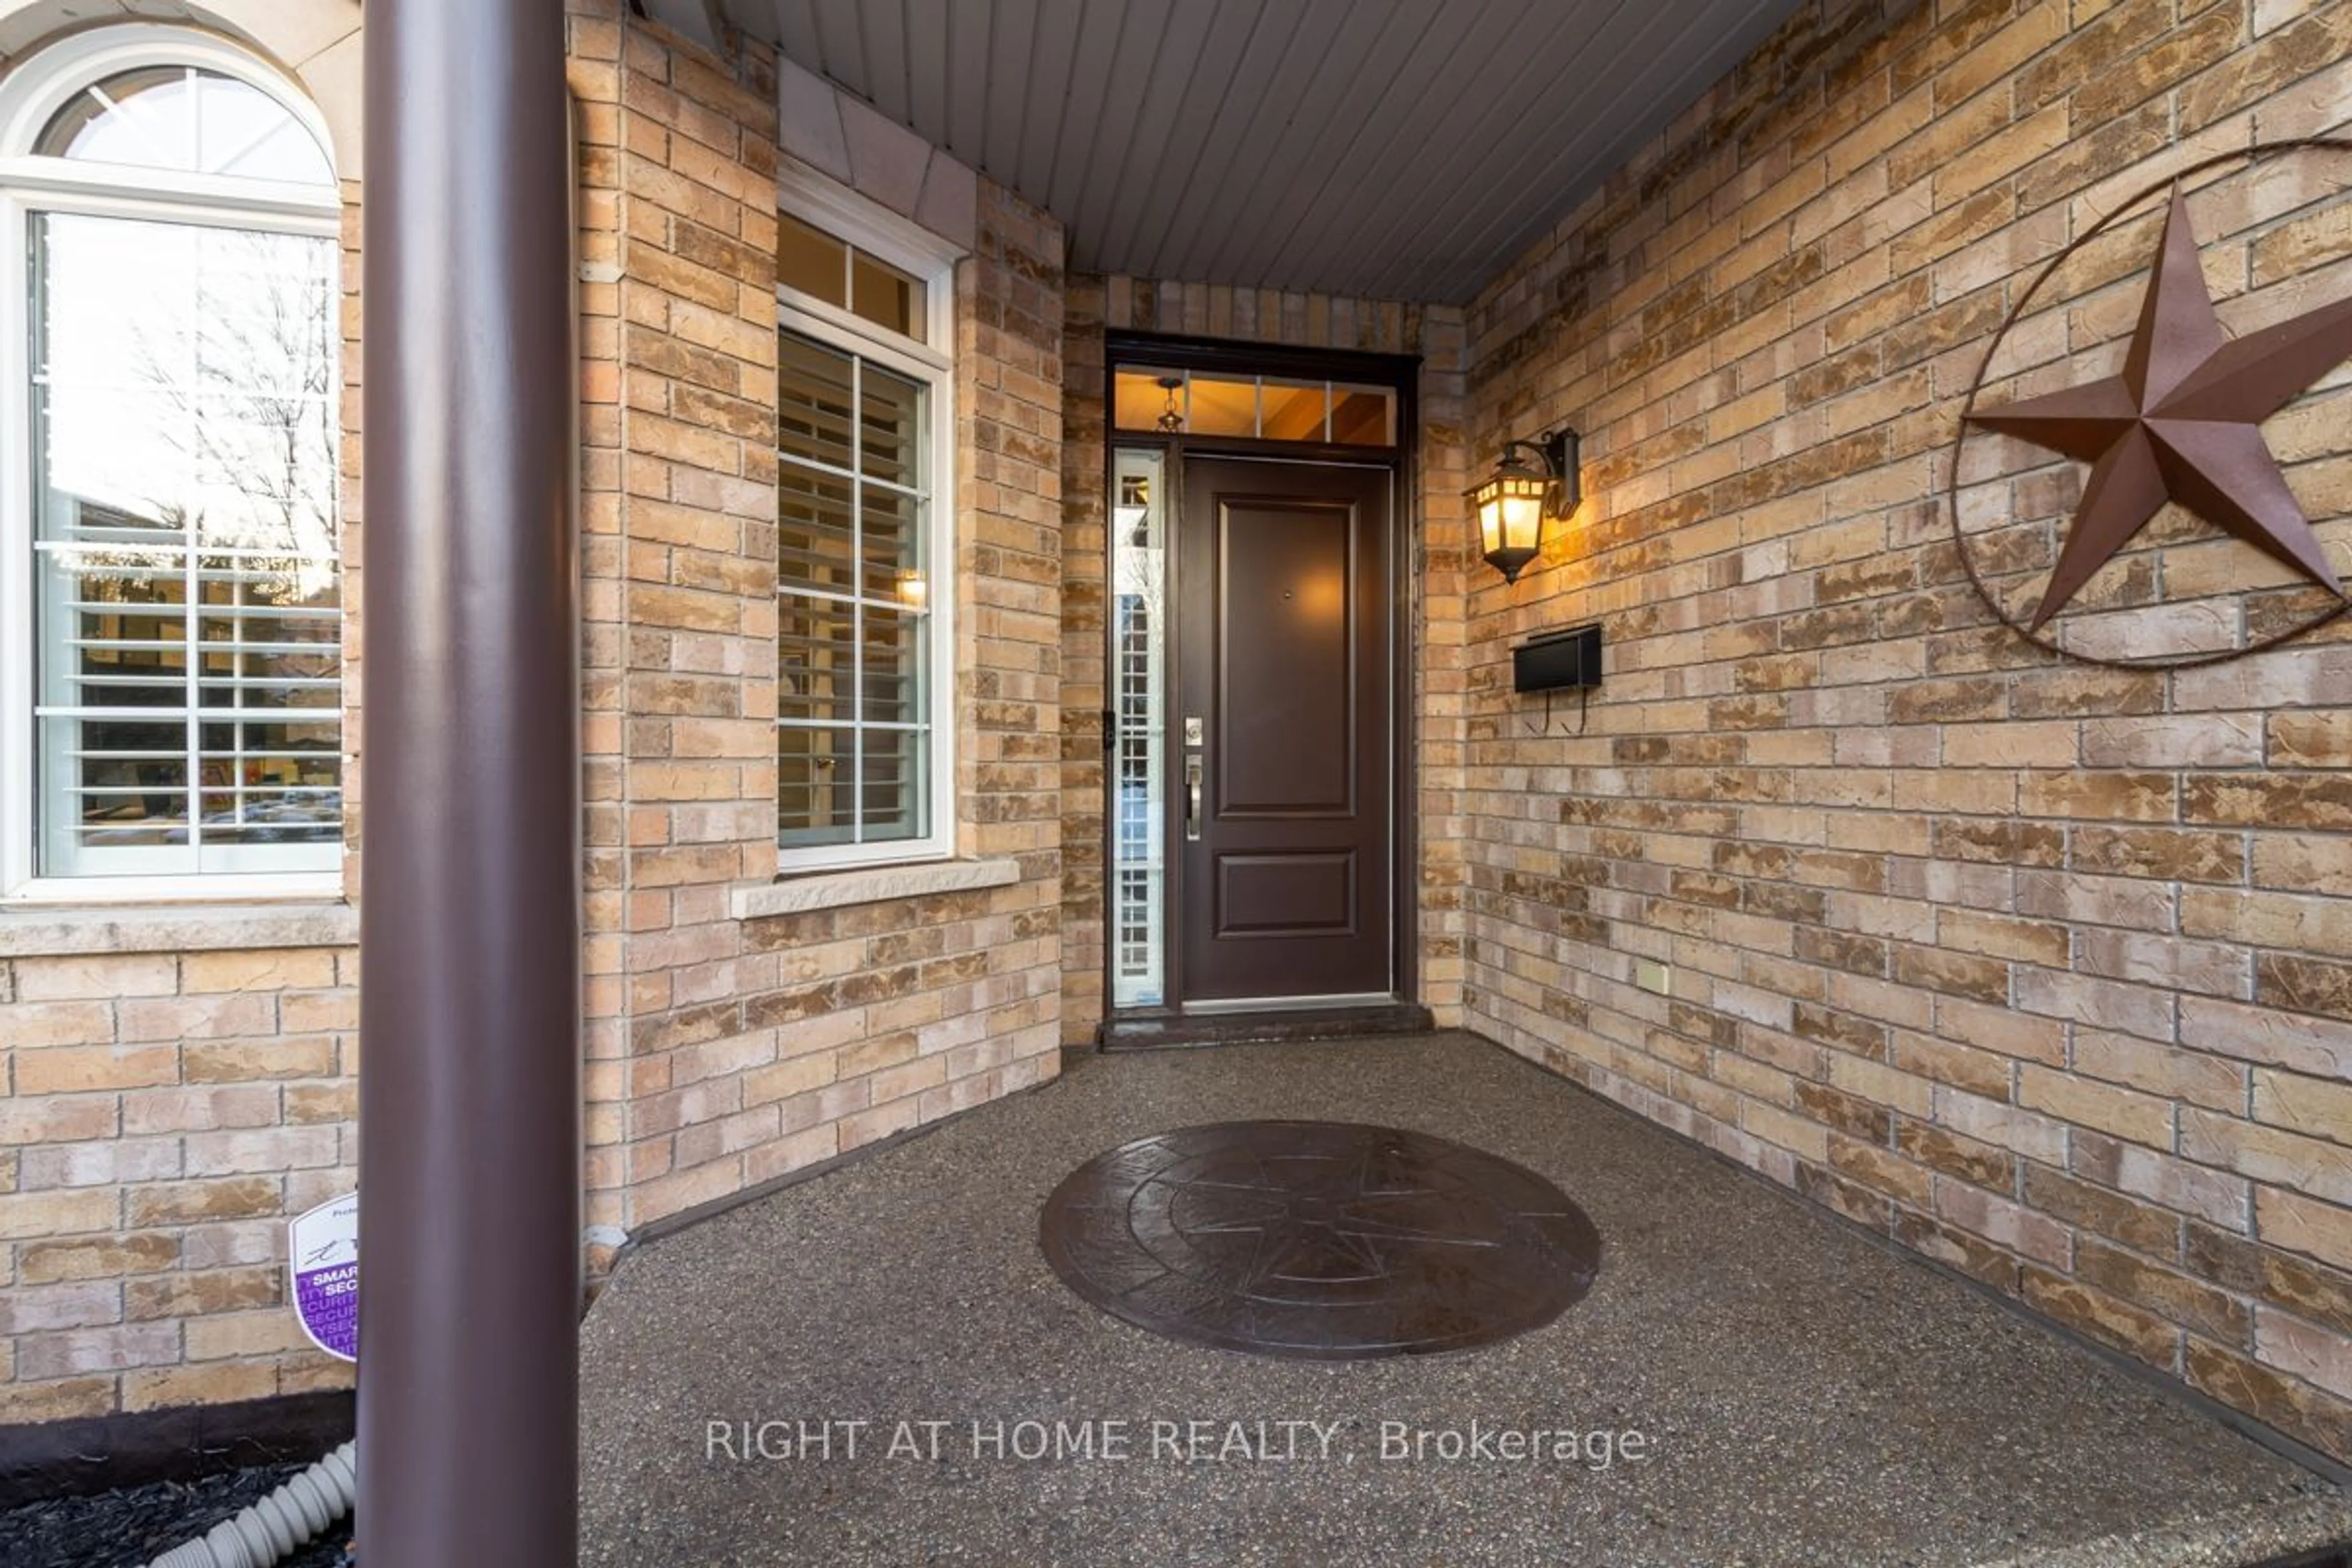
x=323 y=1246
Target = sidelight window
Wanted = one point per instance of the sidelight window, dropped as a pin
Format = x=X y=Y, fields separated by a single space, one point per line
x=1139 y=623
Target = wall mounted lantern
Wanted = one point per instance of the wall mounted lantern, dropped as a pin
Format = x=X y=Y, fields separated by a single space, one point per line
x=1514 y=500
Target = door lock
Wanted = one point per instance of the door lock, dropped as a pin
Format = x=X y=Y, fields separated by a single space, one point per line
x=1193 y=730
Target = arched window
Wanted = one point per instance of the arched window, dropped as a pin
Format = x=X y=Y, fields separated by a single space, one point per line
x=170 y=675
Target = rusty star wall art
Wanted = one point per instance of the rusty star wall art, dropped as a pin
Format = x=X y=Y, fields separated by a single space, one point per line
x=2181 y=423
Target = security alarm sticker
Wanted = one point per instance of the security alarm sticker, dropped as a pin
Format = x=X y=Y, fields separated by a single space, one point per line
x=323 y=1246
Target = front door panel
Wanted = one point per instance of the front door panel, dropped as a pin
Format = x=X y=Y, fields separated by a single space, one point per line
x=1283 y=658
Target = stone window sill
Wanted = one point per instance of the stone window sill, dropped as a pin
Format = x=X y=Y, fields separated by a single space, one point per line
x=868 y=885
x=50 y=931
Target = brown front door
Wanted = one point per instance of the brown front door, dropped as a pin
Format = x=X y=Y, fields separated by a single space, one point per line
x=1283 y=658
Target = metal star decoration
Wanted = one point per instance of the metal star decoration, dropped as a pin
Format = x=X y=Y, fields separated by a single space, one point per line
x=2183 y=423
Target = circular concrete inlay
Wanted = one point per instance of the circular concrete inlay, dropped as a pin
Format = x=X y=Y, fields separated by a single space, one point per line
x=1322 y=1240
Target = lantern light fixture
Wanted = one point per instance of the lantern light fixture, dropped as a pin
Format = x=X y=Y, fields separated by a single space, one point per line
x=1512 y=502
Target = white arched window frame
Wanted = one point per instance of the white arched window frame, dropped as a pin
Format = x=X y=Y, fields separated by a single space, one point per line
x=34 y=187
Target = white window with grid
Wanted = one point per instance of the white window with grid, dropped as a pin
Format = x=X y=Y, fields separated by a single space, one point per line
x=170 y=681
x=864 y=544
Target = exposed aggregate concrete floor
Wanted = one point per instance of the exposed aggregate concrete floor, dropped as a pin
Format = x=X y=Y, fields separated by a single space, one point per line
x=1803 y=1396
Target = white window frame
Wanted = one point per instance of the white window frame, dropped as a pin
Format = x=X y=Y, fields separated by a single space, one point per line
x=927 y=258
x=29 y=97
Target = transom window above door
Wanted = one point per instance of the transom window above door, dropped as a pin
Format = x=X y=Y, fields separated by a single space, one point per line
x=864 y=542
x=1267 y=408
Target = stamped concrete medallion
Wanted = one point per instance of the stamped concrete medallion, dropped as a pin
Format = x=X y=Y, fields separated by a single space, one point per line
x=1322 y=1240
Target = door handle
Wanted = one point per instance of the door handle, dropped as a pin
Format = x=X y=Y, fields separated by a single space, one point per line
x=1193 y=796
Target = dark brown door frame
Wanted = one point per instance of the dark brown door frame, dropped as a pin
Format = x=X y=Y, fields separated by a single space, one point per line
x=1401 y=372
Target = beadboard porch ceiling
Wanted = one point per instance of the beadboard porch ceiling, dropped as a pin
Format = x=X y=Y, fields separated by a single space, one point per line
x=1381 y=149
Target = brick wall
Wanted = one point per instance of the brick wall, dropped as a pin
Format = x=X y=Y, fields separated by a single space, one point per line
x=1433 y=548
x=594 y=38
x=2039 y=968
x=179 y=1083
x=729 y=1051
x=167 y=1111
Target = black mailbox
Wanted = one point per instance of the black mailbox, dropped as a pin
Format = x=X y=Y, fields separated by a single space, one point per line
x=1558 y=661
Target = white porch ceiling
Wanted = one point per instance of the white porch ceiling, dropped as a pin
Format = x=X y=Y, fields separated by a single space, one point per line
x=1381 y=149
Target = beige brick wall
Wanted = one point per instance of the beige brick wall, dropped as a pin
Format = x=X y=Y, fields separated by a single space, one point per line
x=594 y=37
x=728 y=1052
x=1433 y=550
x=177 y=1085
x=2039 y=968
x=166 y=1111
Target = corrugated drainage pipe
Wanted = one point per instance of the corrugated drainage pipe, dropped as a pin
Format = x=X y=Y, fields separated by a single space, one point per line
x=269 y=1531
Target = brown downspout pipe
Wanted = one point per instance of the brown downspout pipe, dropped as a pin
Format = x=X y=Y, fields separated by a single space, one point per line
x=470 y=937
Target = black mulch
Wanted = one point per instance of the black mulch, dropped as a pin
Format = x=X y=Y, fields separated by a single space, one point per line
x=135 y=1525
